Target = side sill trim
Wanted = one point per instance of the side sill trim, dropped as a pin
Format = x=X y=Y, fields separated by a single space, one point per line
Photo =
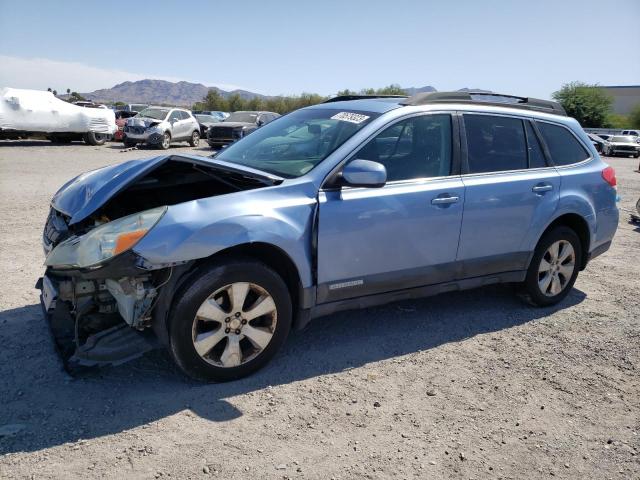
x=413 y=293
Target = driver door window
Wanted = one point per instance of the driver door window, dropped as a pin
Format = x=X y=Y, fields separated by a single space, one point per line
x=417 y=147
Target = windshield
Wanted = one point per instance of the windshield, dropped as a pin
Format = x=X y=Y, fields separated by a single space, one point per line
x=292 y=145
x=621 y=139
x=155 y=113
x=245 y=117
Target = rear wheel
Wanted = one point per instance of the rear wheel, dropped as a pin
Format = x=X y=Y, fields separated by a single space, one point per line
x=195 y=139
x=94 y=138
x=129 y=144
x=554 y=267
x=230 y=321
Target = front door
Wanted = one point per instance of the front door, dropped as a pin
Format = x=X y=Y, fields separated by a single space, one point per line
x=403 y=235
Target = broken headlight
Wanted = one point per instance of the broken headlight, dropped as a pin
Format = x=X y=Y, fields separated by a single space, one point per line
x=105 y=241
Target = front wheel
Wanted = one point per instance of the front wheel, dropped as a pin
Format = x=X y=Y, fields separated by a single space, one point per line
x=230 y=321
x=166 y=141
x=554 y=267
x=195 y=138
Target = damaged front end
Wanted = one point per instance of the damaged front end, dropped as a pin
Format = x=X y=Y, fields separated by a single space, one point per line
x=91 y=320
x=98 y=293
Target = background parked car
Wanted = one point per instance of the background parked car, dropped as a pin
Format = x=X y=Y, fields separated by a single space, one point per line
x=205 y=122
x=633 y=133
x=214 y=113
x=623 y=145
x=33 y=112
x=160 y=126
x=236 y=126
x=598 y=142
x=121 y=120
x=135 y=107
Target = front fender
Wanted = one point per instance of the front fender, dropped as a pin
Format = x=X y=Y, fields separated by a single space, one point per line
x=201 y=228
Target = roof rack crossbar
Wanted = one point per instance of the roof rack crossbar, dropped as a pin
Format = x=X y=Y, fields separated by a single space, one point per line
x=342 y=98
x=526 y=103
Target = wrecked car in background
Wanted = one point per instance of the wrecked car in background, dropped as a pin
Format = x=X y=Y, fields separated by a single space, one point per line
x=26 y=113
x=160 y=127
x=236 y=126
x=346 y=204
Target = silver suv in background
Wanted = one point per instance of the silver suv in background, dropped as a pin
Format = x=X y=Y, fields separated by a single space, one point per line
x=160 y=126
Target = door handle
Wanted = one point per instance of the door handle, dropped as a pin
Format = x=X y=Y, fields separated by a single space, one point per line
x=444 y=200
x=542 y=187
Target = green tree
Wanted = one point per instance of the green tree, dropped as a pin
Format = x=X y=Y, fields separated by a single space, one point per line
x=588 y=104
x=634 y=117
x=119 y=104
x=68 y=91
x=615 y=120
x=393 y=89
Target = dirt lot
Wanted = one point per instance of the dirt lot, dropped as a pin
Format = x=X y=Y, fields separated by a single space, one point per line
x=465 y=385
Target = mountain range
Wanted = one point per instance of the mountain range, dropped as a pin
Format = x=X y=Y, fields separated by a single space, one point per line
x=156 y=92
x=160 y=92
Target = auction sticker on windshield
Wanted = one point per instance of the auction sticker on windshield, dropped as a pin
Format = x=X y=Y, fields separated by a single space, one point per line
x=350 y=117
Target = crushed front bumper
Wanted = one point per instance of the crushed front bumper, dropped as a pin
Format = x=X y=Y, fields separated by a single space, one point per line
x=114 y=345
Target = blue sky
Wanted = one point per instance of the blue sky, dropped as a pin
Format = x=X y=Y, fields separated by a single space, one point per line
x=283 y=47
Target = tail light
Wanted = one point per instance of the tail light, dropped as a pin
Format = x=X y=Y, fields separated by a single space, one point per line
x=609 y=176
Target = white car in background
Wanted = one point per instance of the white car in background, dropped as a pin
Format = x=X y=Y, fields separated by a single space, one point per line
x=24 y=113
x=623 y=145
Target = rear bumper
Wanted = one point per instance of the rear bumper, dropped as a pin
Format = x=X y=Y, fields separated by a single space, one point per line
x=599 y=250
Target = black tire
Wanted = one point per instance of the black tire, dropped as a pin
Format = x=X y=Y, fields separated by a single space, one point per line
x=129 y=144
x=195 y=138
x=166 y=141
x=93 y=138
x=531 y=290
x=190 y=299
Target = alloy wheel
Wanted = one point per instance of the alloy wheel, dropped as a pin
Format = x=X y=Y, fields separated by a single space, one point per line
x=166 y=141
x=556 y=268
x=234 y=324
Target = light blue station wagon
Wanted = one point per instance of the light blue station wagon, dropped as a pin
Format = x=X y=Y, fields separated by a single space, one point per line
x=347 y=204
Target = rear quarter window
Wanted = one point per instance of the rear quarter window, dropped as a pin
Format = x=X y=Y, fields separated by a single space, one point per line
x=564 y=148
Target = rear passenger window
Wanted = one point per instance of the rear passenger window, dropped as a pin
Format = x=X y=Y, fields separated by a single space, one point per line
x=495 y=144
x=536 y=157
x=563 y=146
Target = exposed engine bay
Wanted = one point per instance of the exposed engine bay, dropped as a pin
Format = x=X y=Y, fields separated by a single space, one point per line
x=99 y=314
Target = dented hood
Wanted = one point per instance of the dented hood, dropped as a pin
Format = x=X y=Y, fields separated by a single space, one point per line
x=145 y=122
x=83 y=195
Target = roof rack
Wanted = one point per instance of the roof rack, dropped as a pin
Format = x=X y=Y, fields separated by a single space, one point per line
x=343 y=98
x=510 y=101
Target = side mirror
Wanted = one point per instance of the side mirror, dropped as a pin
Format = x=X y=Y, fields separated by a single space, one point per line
x=260 y=123
x=364 y=173
x=173 y=120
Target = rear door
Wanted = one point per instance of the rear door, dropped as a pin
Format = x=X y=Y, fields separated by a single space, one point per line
x=511 y=190
x=405 y=234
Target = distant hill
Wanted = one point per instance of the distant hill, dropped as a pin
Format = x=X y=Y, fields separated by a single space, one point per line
x=158 y=92
x=182 y=93
x=413 y=90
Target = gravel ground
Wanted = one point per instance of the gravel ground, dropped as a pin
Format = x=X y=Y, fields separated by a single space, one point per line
x=465 y=385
